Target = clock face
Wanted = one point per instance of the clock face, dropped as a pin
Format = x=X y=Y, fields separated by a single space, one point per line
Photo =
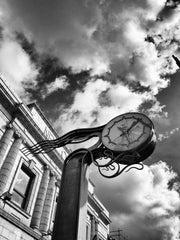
x=127 y=132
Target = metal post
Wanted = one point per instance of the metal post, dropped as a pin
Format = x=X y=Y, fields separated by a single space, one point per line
x=70 y=220
x=124 y=143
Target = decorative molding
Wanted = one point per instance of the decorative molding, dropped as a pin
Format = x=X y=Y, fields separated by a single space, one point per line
x=19 y=224
x=17 y=134
x=9 y=126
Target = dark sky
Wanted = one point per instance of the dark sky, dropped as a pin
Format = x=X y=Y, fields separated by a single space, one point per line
x=85 y=62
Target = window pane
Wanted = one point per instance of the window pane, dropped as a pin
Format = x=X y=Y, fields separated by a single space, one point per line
x=22 y=182
x=17 y=198
x=22 y=187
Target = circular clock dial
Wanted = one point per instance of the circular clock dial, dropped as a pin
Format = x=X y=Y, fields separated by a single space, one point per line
x=127 y=132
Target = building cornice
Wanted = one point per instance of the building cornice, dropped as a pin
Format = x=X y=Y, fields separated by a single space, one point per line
x=20 y=111
x=98 y=207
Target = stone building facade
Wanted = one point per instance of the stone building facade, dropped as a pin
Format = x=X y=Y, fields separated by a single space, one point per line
x=29 y=184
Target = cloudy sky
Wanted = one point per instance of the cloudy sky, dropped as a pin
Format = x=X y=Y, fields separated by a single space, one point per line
x=87 y=61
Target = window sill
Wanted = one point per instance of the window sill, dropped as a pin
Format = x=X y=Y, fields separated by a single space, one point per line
x=18 y=209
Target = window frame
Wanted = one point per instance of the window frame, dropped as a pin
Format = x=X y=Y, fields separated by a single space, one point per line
x=26 y=197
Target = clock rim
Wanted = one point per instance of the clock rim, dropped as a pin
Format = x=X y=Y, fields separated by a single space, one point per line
x=146 y=141
x=142 y=153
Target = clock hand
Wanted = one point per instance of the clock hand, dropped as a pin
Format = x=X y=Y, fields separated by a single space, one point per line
x=121 y=129
x=125 y=131
x=127 y=137
x=120 y=136
x=132 y=125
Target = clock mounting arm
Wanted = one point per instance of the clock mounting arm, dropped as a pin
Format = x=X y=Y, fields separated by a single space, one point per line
x=123 y=143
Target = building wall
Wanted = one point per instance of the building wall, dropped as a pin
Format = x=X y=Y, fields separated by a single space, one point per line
x=97 y=216
x=29 y=184
x=11 y=162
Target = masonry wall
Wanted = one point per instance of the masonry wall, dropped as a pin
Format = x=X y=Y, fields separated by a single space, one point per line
x=30 y=214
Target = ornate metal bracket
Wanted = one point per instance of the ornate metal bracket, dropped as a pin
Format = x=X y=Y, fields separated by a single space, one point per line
x=123 y=143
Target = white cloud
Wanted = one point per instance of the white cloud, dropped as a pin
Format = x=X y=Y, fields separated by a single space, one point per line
x=97 y=103
x=134 y=33
x=142 y=203
x=167 y=134
x=59 y=83
x=67 y=32
x=16 y=66
x=107 y=37
x=154 y=8
x=103 y=36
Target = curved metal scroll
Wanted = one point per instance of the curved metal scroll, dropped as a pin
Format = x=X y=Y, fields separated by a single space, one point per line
x=110 y=163
x=72 y=137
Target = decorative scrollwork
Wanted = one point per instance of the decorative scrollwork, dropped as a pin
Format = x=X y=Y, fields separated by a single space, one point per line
x=122 y=144
x=111 y=164
x=116 y=169
x=72 y=137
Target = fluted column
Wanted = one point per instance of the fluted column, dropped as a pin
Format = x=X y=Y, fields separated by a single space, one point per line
x=8 y=165
x=5 y=142
x=36 y=218
x=96 y=228
x=45 y=217
x=93 y=226
x=54 y=205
